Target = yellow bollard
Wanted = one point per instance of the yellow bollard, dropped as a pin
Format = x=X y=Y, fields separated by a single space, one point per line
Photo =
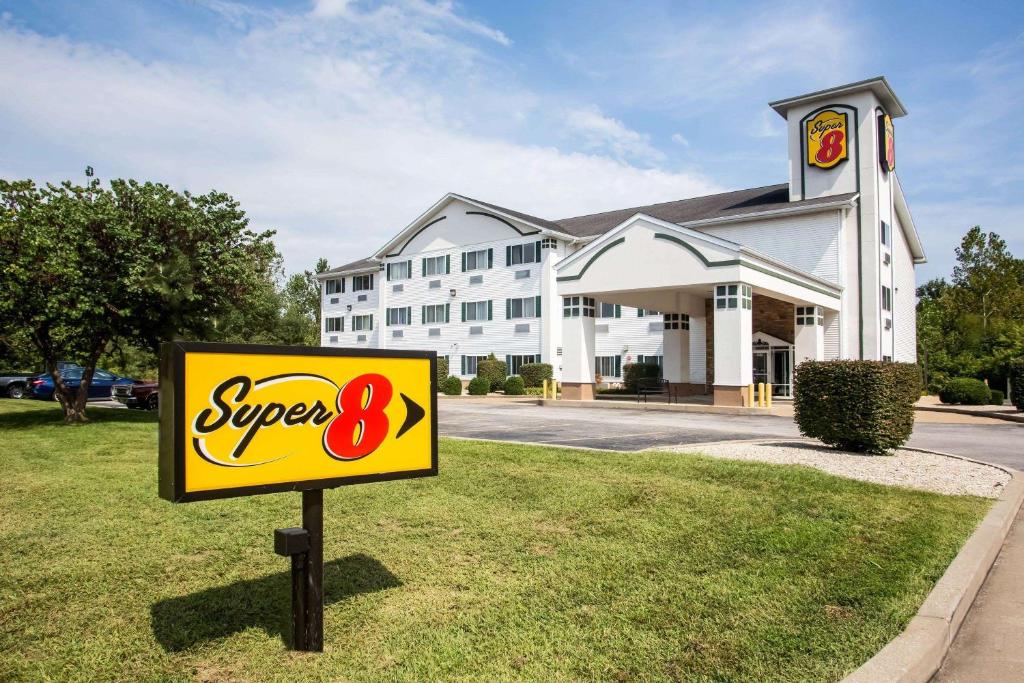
x=750 y=395
x=768 y=395
x=760 y=394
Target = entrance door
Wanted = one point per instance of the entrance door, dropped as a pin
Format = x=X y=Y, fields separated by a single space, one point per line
x=760 y=366
x=780 y=372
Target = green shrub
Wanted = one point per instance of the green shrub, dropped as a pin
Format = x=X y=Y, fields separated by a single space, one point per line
x=452 y=386
x=857 y=405
x=1017 y=383
x=479 y=386
x=494 y=370
x=514 y=386
x=965 y=390
x=631 y=372
x=534 y=391
x=442 y=371
x=998 y=397
x=534 y=374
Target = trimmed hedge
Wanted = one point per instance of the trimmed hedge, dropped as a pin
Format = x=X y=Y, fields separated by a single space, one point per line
x=631 y=372
x=494 y=370
x=442 y=371
x=856 y=405
x=998 y=397
x=1017 y=383
x=534 y=374
x=966 y=391
x=452 y=386
x=514 y=386
x=479 y=386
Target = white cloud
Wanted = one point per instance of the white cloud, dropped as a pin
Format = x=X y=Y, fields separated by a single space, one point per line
x=680 y=140
x=603 y=133
x=336 y=127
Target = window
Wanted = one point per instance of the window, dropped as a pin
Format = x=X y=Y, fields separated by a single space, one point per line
x=362 y=322
x=610 y=311
x=809 y=316
x=334 y=324
x=649 y=360
x=334 y=286
x=733 y=296
x=886 y=359
x=477 y=260
x=522 y=253
x=641 y=312
x=886 y=298
x=362 y=283
x=528 y=307
x=469 y=364
x=438 y=313
x=476 y=310
x=514 y=363
x=676 y=321
x=886 y=234
x=102 y=375
x=575 y=306
x=400 y=270
x=399 y=316
x=608 y=366
x=437 y=265
x=549 y=243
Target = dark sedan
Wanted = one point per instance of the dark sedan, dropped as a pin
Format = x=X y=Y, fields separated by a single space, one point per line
x=144 y=394
x=101 y=386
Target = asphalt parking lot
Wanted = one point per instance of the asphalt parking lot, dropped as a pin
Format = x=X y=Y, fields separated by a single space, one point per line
x=630 y=430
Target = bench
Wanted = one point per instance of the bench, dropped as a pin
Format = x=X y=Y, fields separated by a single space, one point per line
x=646 y=386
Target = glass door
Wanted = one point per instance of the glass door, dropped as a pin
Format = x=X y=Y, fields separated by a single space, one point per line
x=781 y=371
x=760 y=366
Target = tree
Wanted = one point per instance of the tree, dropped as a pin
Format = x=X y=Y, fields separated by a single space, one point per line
x=300 y=316
x=987 y=278
x=136 y=263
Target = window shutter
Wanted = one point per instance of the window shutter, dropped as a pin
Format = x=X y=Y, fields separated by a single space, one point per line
x=423 y=315
x=508 y=309
x=371 y=317
x=342 y=285
x=536 y=251
x=618 y=366
x=447 y=313
x=408 y=315
x=508 y=365
x=490 y=258
x=408 y=267
x=490 y=309
x=387 y=317
x=463 y=366
x=371 y=280
x=463 y=311
x=423 y=267
x=508 y=255
x=618 y=311
x=342 y=326
x=389 y=272
x=463 y=262
x=537 y=306
x=447 y=264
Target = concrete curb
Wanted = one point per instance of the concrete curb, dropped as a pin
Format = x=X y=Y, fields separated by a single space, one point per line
x=662 y=407
x=917 y=653
x=1009 y=417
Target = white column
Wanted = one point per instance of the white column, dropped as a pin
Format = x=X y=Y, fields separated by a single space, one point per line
x=733 y=342
x=383 y=331
x=550 y=312
x=578 y=348
x=809 y=334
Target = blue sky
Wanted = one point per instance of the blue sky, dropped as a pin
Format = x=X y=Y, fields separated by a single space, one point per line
x=337 y=122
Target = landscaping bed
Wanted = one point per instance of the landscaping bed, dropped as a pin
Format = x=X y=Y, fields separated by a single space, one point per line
x=516 y=563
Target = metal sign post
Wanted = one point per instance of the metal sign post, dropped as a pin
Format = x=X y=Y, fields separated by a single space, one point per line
x=243 y=419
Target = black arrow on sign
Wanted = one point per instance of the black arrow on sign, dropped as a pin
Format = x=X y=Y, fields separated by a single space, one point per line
x=413 y=414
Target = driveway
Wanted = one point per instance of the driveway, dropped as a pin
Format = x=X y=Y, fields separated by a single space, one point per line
x=631 y=430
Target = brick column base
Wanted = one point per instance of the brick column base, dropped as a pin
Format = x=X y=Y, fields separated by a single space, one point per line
x=575 y=391
x=730 y=396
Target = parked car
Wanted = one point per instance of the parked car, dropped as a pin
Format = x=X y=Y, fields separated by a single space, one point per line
x=144 y=394
x=100 y=387
x=14 y=384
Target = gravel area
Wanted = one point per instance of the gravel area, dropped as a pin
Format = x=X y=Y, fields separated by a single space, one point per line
x=924 y=471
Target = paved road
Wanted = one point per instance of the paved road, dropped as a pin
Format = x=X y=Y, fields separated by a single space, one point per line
x=629 y=430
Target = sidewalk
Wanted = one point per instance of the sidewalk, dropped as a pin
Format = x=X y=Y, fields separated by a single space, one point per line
x=990 y=644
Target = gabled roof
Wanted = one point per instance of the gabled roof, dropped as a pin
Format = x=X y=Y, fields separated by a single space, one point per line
x=360 y=266
x=878 y=85
x=711 y=207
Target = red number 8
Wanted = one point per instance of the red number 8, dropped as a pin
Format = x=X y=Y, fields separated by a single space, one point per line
x=361 y=425
x=831 y=147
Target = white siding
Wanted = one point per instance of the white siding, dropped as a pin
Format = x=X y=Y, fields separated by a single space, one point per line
x=807 y=242
x=904 y=299
x=340 y=309
x=629 y=335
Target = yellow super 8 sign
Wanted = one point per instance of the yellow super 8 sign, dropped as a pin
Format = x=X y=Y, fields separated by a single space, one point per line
x=242 y=419
x=827 y=139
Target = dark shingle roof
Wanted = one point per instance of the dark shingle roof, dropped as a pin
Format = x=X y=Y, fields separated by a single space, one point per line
x=355 y=266
x=735 y=203
x=541 y=222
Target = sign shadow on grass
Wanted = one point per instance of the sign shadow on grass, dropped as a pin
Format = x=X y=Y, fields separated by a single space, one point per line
x=182 y=622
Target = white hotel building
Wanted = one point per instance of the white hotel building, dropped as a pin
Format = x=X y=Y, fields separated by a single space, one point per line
x=722 y=291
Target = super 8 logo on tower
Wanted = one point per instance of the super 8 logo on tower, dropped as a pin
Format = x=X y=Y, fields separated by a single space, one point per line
x=243 y=419
x=827 y=139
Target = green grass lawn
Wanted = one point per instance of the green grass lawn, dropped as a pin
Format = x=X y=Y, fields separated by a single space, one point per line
x=516 y=563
